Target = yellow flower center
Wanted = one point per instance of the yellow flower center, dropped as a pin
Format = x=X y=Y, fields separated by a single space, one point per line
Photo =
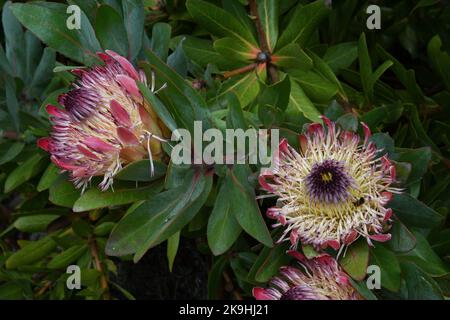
x=326 y=176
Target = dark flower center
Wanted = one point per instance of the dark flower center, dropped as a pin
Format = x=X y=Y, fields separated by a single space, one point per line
x=79 y=102
x=263 y=57
x=294 y=293
x=329 y=182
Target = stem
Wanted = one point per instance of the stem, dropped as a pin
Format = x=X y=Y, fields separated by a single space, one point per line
x=239 y=71
x=11 y=135
x=228 y=281
x=99 y=267
x=262 y=35
x=345 y=104
x=44 y=288
x=272 y=72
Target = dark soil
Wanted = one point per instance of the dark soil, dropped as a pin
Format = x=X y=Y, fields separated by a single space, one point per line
x=151 y=278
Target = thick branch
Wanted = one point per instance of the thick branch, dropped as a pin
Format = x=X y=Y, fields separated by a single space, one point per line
x=99 y=267
x=261 y=33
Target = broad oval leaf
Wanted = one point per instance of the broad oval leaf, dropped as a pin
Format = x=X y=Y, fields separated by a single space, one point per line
x=356 y=259
x=95 y=198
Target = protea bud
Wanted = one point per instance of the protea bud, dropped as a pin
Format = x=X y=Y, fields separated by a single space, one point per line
x=320 y=278
x=105 y=123
x=333 y=190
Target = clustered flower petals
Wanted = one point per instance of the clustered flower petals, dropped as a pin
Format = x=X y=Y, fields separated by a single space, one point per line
x=333 y=190
x=105 y=123
x=319 y=278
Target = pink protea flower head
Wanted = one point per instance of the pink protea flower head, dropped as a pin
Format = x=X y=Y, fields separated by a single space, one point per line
x=319 y=278
x=105 y=123
x=331 y=191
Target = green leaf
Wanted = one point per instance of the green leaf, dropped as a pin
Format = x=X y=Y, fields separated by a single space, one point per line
x=356 y=260
x=25 y=171
x=384 y=142
x=234 y=49
x=48 y=22
x=348 y=122
x=186 y=104
x=14 y=43
x=380 y=71
x=43 y=74
x=269 y=262
x=385 y=114
x=104 y=228
x=268 y=11
x=159 y=218
x=49 y=177
x=361 y=287
x=419 y=159
x=309 y=251
x=245 y=207
x=414 y=212
x=418 y=129
x=239 y=10
x=322 y=68
x=389 y=266
x=303 y=23
x=245 y=87
x=126 y=293
x=67 y=257
x=402 y=239
x=219 y=21
x=134 y=19
x=223 y=228
x=63 y=193
x=292 y=56
x=161 y=39
x=110 y=30
x=178 y=60
x=34 y=223
x=439 y=59
x=425 y=258
x=140 y=171
x=215 y=277
x=202 y=52
x=424 y=3
x=32 y=252
x=11 y=102
x=96 y=199
x=316 y=87
x=158 y=107
x=419 y=285
x=9 y=151
x=33 y=51
x=235 y=117
x=299 y=103
x=4 y=63
x=365 y=67
x=406 y=77
x=341 y=56
x=276 y=95
x=172 y=248
x=12 y=290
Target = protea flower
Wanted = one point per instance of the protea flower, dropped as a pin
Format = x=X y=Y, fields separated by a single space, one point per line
x=319 y=278
x=333 y=190
x=105 y=123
